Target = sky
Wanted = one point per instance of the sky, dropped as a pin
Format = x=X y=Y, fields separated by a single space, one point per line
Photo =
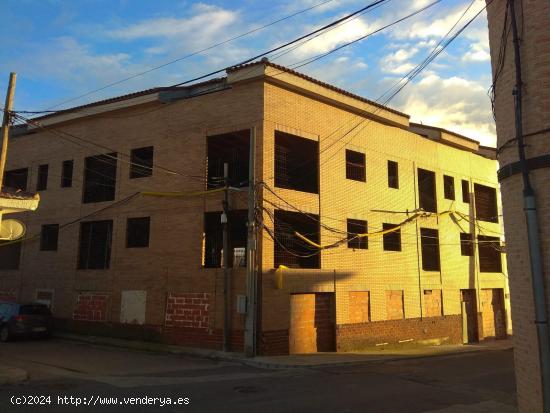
x=61 y=49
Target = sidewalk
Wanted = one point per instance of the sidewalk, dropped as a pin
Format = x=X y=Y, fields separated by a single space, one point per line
x=12 y=375
x=298 y=360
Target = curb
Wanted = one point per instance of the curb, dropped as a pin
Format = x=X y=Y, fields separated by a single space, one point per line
x=151 y=347
x=251 y=362
x=12 y=375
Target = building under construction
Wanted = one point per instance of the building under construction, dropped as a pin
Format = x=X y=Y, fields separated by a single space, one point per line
x=371 y=230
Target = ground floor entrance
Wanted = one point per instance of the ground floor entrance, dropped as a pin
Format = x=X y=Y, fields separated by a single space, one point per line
x=312 y=323
x=469 y=316
x=493 y=313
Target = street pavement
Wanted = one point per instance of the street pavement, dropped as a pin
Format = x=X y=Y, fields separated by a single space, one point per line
x=63 y=374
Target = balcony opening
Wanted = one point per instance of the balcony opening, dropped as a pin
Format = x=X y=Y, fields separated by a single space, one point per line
x=296 y=163
x=429 y=239
x=16 y=179
x=213 y=239
x=290 y=250
x=232 y=148
x=489 y=254
x=99 y=178
x=141 y=162
x=95 y=245
x=486 y=203
x=391 y=240
x=426 y=190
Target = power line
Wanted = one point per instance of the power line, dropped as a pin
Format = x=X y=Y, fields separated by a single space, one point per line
x=179 y=59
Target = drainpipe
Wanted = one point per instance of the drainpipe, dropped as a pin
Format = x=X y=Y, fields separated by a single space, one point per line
x=530 y=209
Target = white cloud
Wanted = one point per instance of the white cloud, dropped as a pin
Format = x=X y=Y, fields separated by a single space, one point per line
x=351 y=30
x=397 y=62
x=203 y=27
x=453 y=103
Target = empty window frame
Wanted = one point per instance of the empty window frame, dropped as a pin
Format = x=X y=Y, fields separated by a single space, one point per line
x=426 y=190
x=392 y=240
x=296 y=163
x=449 y=187
x=466 y=244
x=232 y=148
x=99 y=178
x=393 y=174
x=213 y=239
x=465 y=191
x=486 y=203
x=95 y=245
x=67 y=174
x=137 y=232
x=489 y=254
x=49 y=237
x=355 y=166
x=141 y=162
x=42 y=179
x=16 y=179
x=429 y=240
x=354 y=227
x=10 y=255
x=291 y=251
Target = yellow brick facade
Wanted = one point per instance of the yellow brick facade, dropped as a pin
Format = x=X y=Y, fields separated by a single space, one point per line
x=268 y=99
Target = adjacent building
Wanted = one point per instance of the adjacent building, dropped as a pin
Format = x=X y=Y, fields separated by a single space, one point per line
x=372 y=230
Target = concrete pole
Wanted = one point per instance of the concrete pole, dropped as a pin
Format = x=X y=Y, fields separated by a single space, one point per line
x=251 y=282
x=6 y=125
x=225 y=264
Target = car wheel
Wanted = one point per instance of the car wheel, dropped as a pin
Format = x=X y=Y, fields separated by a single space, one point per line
x=5 y=334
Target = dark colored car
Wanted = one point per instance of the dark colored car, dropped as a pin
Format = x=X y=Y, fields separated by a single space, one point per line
x=17 y=320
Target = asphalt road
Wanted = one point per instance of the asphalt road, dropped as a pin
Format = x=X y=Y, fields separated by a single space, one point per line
x=471 y=382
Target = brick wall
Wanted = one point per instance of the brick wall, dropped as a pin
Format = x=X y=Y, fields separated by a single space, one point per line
x=353 y=337
x=91 y=307
x=188 y=310
x=535 y=55
x=8 y=296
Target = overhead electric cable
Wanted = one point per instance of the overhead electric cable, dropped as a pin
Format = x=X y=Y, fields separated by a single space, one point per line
x=179 y=59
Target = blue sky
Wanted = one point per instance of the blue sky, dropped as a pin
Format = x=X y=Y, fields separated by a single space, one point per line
x=63 y=48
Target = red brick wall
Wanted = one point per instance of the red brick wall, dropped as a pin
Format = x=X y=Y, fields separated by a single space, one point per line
x=274 y=343
x=188 y=310
x=91 y=307
x=8 y=296
x=351 y=337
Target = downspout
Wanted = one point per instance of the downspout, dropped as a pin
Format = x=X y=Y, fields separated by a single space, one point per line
x=530 y=209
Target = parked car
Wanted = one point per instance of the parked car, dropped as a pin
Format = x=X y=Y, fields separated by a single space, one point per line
x=17 y=320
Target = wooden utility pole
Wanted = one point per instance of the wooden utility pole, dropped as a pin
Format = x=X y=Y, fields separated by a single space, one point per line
x=6 y=125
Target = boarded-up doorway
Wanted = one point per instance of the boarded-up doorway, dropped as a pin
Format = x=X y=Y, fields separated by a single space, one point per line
x=493 y=313
x=469 y=316
x=312 y=323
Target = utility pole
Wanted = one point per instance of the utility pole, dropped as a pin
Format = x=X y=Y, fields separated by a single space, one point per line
x=226 y=270
x=6 y=125
x=251 y=281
